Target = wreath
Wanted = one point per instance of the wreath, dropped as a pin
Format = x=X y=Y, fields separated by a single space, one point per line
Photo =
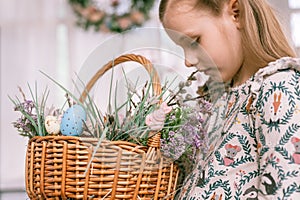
x=111 y=15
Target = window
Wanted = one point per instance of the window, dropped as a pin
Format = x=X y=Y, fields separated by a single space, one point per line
x=295 y=19
x=294 y=4
x=295 y=27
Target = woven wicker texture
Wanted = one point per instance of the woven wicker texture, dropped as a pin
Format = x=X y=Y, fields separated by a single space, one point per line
x=66 y=167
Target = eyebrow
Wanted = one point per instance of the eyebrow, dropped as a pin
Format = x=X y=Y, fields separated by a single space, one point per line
x=190 y=34
x=185 y=36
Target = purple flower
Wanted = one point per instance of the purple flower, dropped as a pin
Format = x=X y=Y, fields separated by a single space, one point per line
x=26 y=106
x=173 y=147
x=190 y=138
x=23 y=124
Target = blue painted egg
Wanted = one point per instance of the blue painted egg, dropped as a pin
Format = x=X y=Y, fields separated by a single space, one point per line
x=72 y=121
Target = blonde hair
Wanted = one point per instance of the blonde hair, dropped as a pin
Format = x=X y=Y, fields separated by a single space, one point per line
x=261 y=31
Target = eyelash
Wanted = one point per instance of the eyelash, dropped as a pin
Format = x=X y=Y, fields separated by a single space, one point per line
x=195 y=42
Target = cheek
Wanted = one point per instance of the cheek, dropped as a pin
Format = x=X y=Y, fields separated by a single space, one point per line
x=225 y=52
x=225 y=66
x=229 y=61
x=219 y=48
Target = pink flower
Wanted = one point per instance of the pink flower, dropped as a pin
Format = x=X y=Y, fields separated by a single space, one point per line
x=86 y=12
x=104 y=28
x=235 y=185
x=164 y=106
x=155 y=120
x=137 y=17
x=124 y=23
x=96 y=16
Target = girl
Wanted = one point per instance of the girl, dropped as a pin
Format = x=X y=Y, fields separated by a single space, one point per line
x=257 y=154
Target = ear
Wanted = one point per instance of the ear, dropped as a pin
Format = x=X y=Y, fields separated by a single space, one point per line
x=234 y=11
x=295 y=140
x=228 y=146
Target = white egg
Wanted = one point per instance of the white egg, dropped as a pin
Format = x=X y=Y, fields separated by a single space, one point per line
x=52 y=125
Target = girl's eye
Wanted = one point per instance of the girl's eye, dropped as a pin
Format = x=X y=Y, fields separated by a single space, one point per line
x=195 y=42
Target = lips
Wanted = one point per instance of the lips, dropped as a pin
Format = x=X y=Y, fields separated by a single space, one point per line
x=206 y=71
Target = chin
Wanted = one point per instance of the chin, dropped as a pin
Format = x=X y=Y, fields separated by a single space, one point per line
x=217 y=78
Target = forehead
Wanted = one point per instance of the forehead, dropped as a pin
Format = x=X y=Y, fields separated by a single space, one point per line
x=185 y=20
x=183 y=12
x=179 y=7
x=182 y=5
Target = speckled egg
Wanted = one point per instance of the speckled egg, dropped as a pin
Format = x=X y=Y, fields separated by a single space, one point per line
x=52 y=125
x=72 y=121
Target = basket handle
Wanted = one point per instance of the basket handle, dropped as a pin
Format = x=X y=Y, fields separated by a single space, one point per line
x=155 y=140
x=124 y=58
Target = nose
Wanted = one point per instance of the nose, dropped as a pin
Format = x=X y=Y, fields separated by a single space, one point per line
x=188 y=64
x=190 y=59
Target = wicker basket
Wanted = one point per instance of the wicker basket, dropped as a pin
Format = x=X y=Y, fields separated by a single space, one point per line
x=66 y=167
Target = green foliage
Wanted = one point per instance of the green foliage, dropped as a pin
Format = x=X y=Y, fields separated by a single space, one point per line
x=248 y=177
x=293 y=173
x=245 y=144
x=263 y=150
x=287 y=116
x=173 y=121
x=270 y=124
x=212 y=173
x=242 y=160
x=294 y=187
x=291 y=130
x=219 y=158
x=285 y=154
x=219 y=183
x=227 y=138
x=297 y=92
x=275 y=165
x=137 y=106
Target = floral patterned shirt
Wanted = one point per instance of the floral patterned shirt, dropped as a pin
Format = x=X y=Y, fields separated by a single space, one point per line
x=256 y=155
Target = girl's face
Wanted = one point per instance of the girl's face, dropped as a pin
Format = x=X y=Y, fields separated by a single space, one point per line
x=210 y=43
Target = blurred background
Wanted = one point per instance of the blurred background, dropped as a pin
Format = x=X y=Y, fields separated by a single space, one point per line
x=42 y=35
